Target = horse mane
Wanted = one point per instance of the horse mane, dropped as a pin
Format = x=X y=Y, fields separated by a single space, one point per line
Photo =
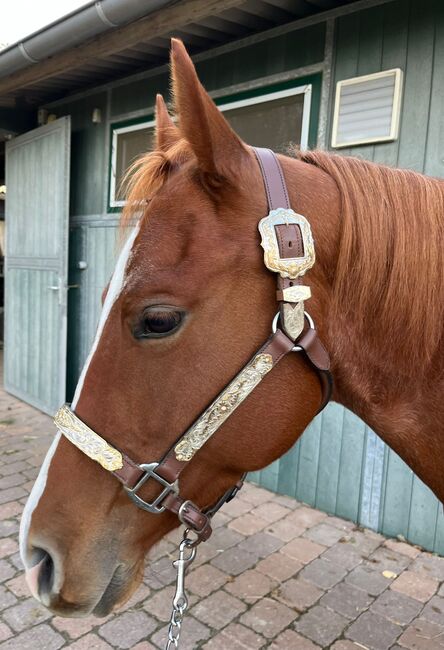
x=389 y=280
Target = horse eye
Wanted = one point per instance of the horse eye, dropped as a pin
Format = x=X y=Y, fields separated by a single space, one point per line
x=158 y=321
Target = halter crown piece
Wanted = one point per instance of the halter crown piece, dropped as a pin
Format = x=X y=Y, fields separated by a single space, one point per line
x=288 y=251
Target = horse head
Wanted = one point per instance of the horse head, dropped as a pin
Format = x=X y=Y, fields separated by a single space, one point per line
x=190 y=302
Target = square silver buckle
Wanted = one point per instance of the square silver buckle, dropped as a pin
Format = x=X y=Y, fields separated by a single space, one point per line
x=291 y=267
x=155 y=506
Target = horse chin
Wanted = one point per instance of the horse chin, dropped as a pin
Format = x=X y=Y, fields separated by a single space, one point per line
x=118 y=592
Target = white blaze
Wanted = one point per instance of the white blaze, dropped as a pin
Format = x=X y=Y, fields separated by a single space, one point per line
x=114 y=289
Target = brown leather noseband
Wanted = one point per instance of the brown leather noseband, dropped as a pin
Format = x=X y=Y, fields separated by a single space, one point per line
x=288 y=251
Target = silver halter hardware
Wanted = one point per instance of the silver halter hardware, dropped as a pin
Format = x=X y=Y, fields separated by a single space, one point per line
x=187 y=553
x=295 y=348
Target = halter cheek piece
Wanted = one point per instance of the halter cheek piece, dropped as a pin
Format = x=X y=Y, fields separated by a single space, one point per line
x=289 y=252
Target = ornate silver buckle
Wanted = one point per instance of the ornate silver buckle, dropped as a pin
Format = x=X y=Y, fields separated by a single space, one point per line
x=291 y=267
x=155 y=506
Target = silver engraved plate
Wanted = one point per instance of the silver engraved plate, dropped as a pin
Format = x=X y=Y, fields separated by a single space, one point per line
x=223 y=406
x=87 y=440
x=293 y=319
x=291 y=267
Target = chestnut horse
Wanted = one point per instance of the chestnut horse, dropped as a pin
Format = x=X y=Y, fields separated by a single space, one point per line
x=191 y=301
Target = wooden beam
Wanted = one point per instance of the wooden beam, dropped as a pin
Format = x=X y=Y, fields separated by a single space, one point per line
x=161 y=22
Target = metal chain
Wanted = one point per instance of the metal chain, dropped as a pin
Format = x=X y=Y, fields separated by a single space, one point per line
x=187 y=553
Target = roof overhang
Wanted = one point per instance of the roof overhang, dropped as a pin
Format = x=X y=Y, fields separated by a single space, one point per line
x=112 y=39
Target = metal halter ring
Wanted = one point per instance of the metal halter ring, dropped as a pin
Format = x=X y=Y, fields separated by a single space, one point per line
x=274 y=325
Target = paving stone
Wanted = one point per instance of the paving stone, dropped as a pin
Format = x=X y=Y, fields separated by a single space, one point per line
x=250 y=586
x=347 y=600
x=253 y=494
x=25 y=614
x=6 y=570
x=307 y=517
x=397 y=607
x=247 y=524
x=286 y=501
x=218 y=610
x=374 y=631
x=90 y=642
x=279 y=566
x=303 y=550
x=293 y=640
x=342 y=524
x=422 y=635
x=344 y=644
x=193 y=632
x=344 y=555
x=206 y=579
x=235 y=637
x=225 y=538
x=75 y=627
x=5 y=632
x=321 y=625
x=234 y=561
x=324 y=534
x=323 y=573
x=236 y=508
x=40 y=637
x=7 y=547
x=402 y=547
x=160 y=573
x=6 y=598
x=430 y=565
x=285 y=530
x=12 y=480
x=389 y=560
x=364 y=541
x=12 y=494
x=8 y=527
x=270 y=511
x=415 y=585
x=434 y=610
x=368 y=579
x=143 y=645
x=159 y=605
x=298 y=594
x=11 y=509
x=124 y=630
x=261 y=544
x=268 y=617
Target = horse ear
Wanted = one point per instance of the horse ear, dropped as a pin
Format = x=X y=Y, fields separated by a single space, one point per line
x=167 y=133
x=218 y=149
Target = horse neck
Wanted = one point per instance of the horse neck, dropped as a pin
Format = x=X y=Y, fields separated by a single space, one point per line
x=404 y=407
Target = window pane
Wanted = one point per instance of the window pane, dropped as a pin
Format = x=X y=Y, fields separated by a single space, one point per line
x=274 y=124
x=129 y=147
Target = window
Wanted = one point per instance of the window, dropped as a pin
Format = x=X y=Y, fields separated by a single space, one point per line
x=128 y=142
x=367 y=109
x=274 y=120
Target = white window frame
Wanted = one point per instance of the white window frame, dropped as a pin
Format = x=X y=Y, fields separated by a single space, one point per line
x=396 y=109
x=305 y=89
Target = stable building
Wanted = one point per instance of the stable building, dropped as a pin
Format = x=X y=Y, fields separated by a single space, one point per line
x=361 y=77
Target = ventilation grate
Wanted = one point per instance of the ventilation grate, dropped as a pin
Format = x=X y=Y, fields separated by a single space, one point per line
x=367 y=109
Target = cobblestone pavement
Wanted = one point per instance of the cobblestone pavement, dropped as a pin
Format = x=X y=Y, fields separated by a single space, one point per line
x=276 y=574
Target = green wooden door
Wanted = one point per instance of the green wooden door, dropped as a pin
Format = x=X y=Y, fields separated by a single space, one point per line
x=37 y=213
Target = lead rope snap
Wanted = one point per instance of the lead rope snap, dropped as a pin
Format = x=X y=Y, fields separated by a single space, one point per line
x=187 y=553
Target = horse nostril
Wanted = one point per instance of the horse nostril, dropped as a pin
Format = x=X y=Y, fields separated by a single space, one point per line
x=46 y=571
x=46 y=577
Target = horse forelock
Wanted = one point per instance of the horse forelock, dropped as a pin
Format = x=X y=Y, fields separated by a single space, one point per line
x=389 y=279
x=148 y=174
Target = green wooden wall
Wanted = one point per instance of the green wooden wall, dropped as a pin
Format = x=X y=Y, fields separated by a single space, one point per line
x=339 y=465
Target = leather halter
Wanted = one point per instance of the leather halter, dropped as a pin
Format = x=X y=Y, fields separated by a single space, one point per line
x=289 y=251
